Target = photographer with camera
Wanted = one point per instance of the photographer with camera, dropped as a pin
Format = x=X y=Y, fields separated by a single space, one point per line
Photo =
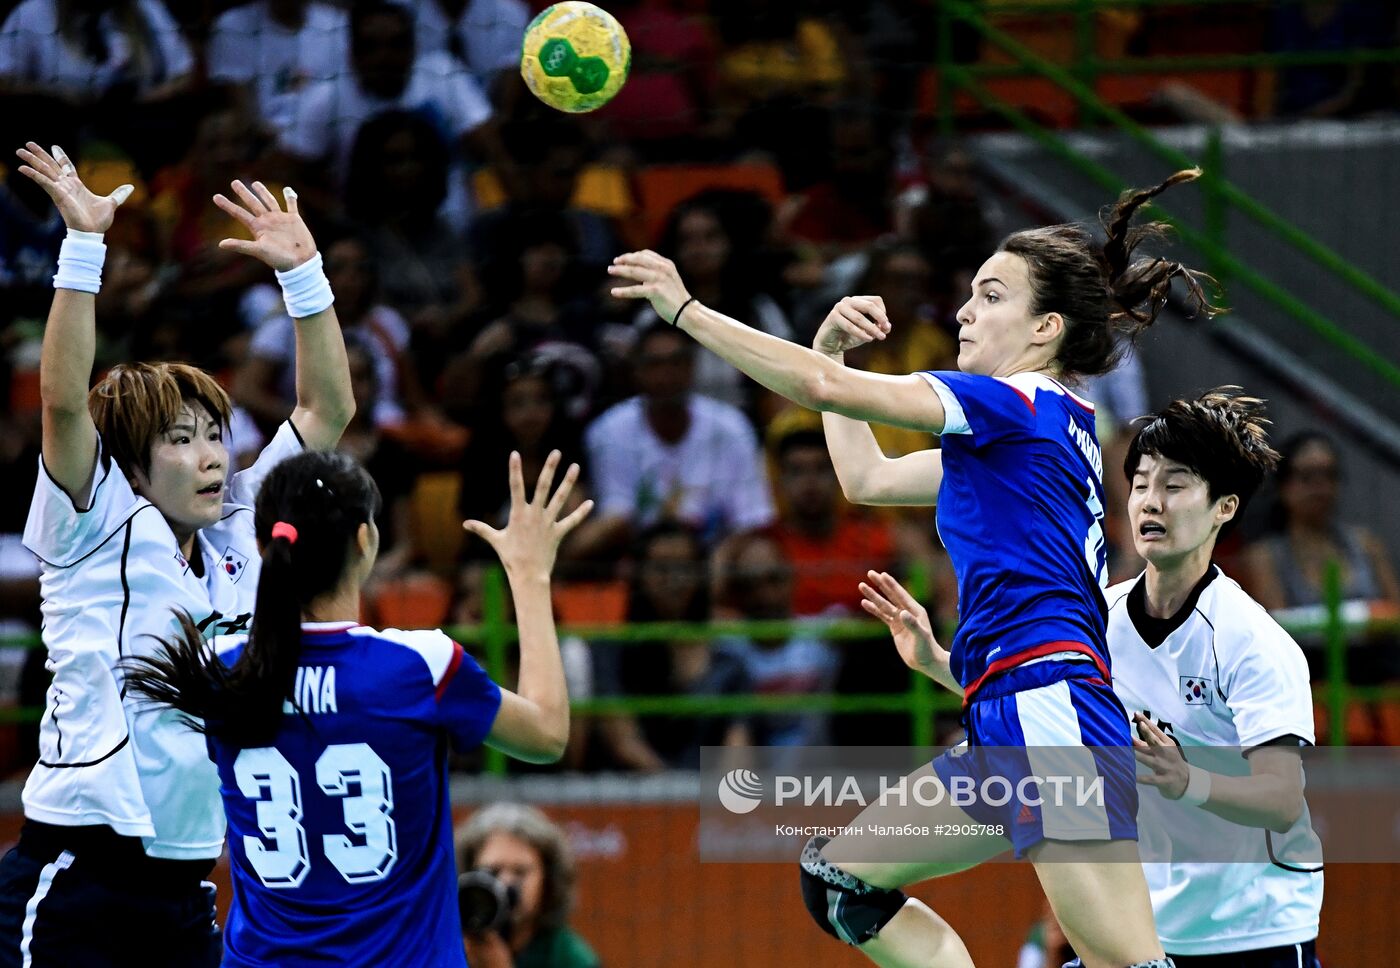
x=517 y=891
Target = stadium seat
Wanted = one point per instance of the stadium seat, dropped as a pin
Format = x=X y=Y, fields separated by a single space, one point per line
x=417 y=601
x=601 y=188
x=660 y=188
x=591 y=602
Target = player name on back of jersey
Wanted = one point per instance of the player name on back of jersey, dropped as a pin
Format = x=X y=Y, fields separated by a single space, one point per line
x=1088 y=445
x=314 y=690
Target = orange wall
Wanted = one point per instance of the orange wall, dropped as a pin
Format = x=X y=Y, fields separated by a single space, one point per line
x=645 y=901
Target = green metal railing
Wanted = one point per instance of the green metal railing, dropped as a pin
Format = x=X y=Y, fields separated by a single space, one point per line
x=1221 y=195
x=920 y=702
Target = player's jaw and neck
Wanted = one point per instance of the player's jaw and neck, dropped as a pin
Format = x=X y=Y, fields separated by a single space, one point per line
x=1172 y=578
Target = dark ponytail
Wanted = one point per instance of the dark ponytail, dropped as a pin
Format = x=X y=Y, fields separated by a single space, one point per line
x=308 y=513
x=1101 y=292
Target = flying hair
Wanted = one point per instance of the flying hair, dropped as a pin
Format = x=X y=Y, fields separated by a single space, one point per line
x=1106 y=296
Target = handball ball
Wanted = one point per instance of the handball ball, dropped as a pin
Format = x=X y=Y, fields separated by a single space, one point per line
x=575 y=56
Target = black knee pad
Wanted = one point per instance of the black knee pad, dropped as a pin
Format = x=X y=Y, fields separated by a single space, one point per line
x=844 y=906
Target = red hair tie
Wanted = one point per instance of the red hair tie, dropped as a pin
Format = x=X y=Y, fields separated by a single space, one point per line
x=284 y=530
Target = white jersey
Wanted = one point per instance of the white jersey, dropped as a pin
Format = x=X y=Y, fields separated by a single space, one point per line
x=1219 y=676
x=112 y=576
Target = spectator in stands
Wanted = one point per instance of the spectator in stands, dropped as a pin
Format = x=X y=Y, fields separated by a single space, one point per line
x=534 y=306
x=946 y=214
x=393 y=468
x=894 y=36
x=524 y=411
x=829 y=544
x=398 y=179
x=1331 y=90
x=522 y=848
x=715 y=238
x=272 y=49
x=1286 y=567
x=849 y=205
x=85 y=50
x=669 y=584
x=758 y=584
x=265 y=382
x=31 y=231
x=778 y=73
x=546 y=155
x=121 y=66
x=209 y=281
x=939 y=211
x=387 y=74
x=482 y=34
x=662 y=112
x=901 y=274
x=671 y=453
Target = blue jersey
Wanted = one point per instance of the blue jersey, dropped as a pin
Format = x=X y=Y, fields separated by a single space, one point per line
x=1021 y=513
x=340 y=833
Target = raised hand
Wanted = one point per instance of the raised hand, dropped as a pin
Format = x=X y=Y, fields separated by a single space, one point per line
x=57 y=175
x=1158 y=752
x=529 y=541
x=280 y=239
x=654 y=278
x=852 y=322
x=891 y=603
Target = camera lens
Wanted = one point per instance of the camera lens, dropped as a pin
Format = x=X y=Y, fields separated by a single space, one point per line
x=484 y=902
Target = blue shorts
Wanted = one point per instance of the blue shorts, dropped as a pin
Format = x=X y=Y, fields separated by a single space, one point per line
x=1062 y=751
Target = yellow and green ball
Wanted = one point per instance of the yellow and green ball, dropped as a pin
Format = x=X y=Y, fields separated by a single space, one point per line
x=575 y=56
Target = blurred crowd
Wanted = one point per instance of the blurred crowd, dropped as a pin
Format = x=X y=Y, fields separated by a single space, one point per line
x=783 y=155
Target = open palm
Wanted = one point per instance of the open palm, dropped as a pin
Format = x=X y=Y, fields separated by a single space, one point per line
x=57 y=175
x=531 y=537
x=908 y=622
x=280 y=238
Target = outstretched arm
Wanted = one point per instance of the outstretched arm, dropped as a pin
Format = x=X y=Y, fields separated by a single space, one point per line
x=533 y=722
x=70 y=336
x=325 y=402
x=867 y=476
x=802 y=375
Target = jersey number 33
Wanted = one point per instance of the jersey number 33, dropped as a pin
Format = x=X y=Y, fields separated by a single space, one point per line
x=281 y=857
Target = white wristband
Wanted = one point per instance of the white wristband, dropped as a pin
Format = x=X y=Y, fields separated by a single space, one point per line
x=305 y=289
x=80 y=261
x=1197 y=790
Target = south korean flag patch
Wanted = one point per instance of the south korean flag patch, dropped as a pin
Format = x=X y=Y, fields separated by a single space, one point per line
x=233 y=564
x=1195 y=690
